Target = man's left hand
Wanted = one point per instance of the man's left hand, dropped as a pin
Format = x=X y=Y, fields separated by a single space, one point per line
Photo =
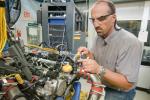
x=90 y=65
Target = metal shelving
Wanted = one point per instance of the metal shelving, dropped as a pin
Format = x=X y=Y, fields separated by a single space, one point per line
x=58 y=23
x=61 y=22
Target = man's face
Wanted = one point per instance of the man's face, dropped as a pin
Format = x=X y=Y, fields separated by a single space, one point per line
x=103 y=21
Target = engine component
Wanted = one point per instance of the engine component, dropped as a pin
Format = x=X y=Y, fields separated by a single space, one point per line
x=67 y=68
x=53 y=87
x=15 y=94
x=10 y=89
x=24 y=64
x=19 y=79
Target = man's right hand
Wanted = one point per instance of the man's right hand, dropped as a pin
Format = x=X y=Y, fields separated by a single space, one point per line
x=85 y=51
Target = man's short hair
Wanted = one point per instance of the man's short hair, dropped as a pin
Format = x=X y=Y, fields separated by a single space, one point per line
x=110 y=5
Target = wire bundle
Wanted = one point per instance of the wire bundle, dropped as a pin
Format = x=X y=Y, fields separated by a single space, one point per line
x=3 y=29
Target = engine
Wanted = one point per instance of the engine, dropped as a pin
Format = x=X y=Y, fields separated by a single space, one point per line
x=53 y=77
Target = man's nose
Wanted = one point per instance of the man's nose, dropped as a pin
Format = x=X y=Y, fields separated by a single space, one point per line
x=96 y=24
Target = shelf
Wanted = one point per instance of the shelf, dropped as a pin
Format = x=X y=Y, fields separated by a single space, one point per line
x=56 y=30
x=55 y=36
x=56 y=33
x=56 y=21
x=61 y=7
x=56 y=42
x=56 y=14
x=56 y=24
x=57 y=17
x=56 y=11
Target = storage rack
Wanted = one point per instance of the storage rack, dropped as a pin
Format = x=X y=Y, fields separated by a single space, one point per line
x=58 y=23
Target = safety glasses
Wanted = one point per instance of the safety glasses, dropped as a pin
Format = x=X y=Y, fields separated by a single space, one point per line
x=101 y=18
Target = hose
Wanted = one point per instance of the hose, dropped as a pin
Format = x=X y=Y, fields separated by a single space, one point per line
x=77 y=87
x=3 y=29
x=97 y=88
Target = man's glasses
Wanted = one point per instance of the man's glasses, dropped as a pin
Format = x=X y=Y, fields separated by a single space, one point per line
x=101 y=18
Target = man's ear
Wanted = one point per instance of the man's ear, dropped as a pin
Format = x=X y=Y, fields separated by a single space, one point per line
x=114 y=17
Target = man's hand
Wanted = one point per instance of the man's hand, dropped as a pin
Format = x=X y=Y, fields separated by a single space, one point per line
x=90 y=65
x=85 y=51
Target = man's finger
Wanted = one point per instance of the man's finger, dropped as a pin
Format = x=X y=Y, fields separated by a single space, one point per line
x=80 y=60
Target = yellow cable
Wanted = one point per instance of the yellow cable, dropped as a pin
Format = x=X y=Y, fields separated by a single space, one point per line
x=3 y=29
x=0 y=30
x=7 y=76
x=45 y=49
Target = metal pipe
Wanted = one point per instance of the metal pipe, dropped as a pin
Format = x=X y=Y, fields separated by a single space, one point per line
x=96 y=88
x=95 y=79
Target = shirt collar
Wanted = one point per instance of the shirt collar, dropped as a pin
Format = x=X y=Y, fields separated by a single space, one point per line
x=108 y=39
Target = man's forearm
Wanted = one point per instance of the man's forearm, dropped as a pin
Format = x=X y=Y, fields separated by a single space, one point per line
x=117 y=80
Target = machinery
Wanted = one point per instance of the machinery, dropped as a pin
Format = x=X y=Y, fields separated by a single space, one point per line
x=46 y=76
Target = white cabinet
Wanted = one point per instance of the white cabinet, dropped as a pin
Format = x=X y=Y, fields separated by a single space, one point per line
x=144 y=77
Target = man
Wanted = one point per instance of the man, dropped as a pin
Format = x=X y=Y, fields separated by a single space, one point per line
x=115 y=55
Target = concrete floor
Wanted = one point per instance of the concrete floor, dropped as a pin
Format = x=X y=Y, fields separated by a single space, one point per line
x=140 y=95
